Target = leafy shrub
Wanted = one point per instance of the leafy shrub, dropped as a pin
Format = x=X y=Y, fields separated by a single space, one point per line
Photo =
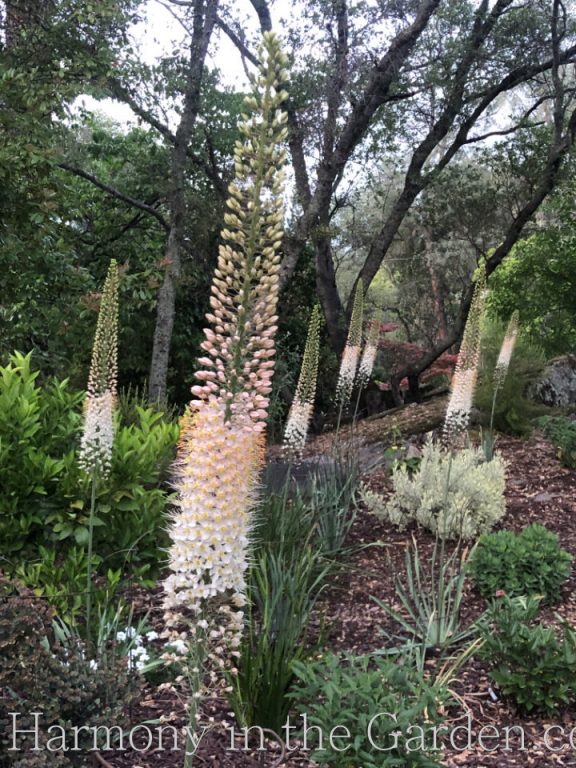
x=531 y=563
x=453 y=495
x=45 y=496
x=39 y=674
x=562 y=432
x=534 y=665
x=60 y=579
x=513 y=410
x=358 y=692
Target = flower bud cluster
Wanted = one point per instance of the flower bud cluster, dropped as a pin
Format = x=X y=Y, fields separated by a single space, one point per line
x=296 y=429
x=222 y=438
x=351 y=354
x=506 y=350
x=466 y=371
x=98 y=435
x=368 y=359
x=238 y=363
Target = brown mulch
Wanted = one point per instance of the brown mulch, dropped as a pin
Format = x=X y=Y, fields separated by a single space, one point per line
x=539 y=489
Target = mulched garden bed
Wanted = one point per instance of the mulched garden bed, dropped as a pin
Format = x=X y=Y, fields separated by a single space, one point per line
x=539 y=489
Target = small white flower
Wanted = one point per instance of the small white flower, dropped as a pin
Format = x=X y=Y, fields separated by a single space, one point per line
x=179 y=646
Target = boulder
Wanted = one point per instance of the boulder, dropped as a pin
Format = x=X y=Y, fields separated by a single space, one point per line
x=556 y=387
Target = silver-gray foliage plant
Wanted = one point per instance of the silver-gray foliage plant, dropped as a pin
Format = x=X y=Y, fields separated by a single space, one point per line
x=453 y=494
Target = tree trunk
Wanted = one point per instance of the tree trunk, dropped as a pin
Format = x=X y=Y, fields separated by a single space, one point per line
x=204 y=21
x=165 y=313
x=329 y=296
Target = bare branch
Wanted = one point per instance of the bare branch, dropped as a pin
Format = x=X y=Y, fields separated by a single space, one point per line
x=503 y=132
x=242 y=47
x=557 y=153
x=122 y=94
x=116 y=193
x=263 y=11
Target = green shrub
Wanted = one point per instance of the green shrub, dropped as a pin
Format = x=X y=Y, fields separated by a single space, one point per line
x=533 y=664
x=367 y=696
x=530 y=563
x=45 y=496
x=513 y=411
x=562 y=432
x=452 y=494
x=39 y=674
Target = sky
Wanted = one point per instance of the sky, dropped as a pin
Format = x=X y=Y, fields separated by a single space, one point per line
x=156 y=36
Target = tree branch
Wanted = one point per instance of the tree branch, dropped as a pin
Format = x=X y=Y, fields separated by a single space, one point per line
x=116 y=193
x=376 y=93
x=557 y=154
x=261 y=8
x=415 y=181
x=240 y=45
x=122 y=94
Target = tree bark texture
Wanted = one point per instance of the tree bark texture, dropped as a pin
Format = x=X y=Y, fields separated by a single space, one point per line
x=203 y=26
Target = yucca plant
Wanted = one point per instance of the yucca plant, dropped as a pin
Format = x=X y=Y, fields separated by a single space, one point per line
x=432 y=599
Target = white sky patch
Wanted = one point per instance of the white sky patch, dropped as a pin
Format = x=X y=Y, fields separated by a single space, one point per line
x=160 y=33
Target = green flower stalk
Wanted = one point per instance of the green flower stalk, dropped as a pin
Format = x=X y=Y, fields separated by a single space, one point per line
x=95 y=455
x=298 y=421
x=351 y=354
x=466 y=372
x=222 y=435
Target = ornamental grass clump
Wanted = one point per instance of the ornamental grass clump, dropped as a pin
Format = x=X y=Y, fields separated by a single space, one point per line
x=298 y=421
x=222 y=437
x=466 y=372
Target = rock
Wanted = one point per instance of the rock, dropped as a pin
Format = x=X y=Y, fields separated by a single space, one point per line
x=557 y=385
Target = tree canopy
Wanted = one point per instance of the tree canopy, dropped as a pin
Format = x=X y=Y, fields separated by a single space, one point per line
x=424 y=137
